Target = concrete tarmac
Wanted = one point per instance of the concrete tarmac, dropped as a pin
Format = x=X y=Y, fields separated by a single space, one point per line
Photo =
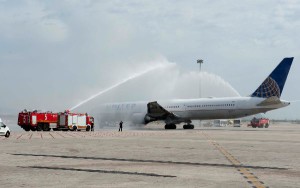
x=153 y=157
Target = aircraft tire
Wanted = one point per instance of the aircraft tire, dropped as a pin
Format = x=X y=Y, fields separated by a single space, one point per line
x=188 y=126
x=170 y=126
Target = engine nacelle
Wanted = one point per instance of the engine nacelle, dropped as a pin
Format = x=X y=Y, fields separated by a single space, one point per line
x=149 y=119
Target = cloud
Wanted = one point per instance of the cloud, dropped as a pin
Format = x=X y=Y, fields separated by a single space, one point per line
x=29 y=21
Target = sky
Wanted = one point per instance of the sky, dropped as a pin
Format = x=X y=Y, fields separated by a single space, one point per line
x=54 y=54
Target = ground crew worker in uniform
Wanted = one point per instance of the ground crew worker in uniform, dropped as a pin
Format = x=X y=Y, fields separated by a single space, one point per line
x=120 y=126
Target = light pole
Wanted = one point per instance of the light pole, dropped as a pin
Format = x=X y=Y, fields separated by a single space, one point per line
x=200 y=61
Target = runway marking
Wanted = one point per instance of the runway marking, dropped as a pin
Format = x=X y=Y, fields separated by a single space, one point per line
x=245 y=172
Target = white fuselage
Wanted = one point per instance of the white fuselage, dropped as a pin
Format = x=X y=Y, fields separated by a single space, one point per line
x=194 y=109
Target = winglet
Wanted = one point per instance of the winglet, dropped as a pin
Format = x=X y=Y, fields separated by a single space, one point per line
x=274 y=83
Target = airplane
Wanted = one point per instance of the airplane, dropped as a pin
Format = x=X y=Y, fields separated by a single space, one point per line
x=265 y=98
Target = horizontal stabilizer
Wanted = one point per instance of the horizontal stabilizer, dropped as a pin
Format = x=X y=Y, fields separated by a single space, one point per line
x=270 y=101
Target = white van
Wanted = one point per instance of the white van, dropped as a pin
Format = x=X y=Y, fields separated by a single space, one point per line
x=4 y=130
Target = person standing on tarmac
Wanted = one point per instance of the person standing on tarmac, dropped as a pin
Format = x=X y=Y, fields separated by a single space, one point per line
x=120 y=126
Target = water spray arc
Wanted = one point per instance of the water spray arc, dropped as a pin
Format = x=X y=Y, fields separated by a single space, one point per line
x=136 y=75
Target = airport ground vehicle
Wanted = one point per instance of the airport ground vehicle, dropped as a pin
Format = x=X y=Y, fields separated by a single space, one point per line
x=237 y=123
x=227 y=122
x=45 y=121
x=37 y=121
x=4 y=130
x=220 y=123
x=75 y=121
x=260 y=122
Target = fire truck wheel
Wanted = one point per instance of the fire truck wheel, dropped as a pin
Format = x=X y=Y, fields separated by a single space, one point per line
x=46 y=127
x=267 y=125
x=33 y=128
x=26 y=129
x=88 y=128
x=39 y=127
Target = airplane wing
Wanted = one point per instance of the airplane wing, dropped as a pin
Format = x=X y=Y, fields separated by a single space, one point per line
x=157 y=112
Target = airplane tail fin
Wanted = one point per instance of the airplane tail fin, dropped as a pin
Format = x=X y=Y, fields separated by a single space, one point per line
x=274 y=83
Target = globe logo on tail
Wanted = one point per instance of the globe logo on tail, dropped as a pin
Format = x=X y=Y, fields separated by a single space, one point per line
x=267 y=89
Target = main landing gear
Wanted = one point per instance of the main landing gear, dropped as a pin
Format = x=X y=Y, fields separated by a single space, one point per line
x=173 y=126
x=170 y=126
x=188 y=126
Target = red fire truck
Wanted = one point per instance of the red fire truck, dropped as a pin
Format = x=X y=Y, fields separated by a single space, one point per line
x=75 y=121
x=259 y=122
x=37 y=121
x=45 y=121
